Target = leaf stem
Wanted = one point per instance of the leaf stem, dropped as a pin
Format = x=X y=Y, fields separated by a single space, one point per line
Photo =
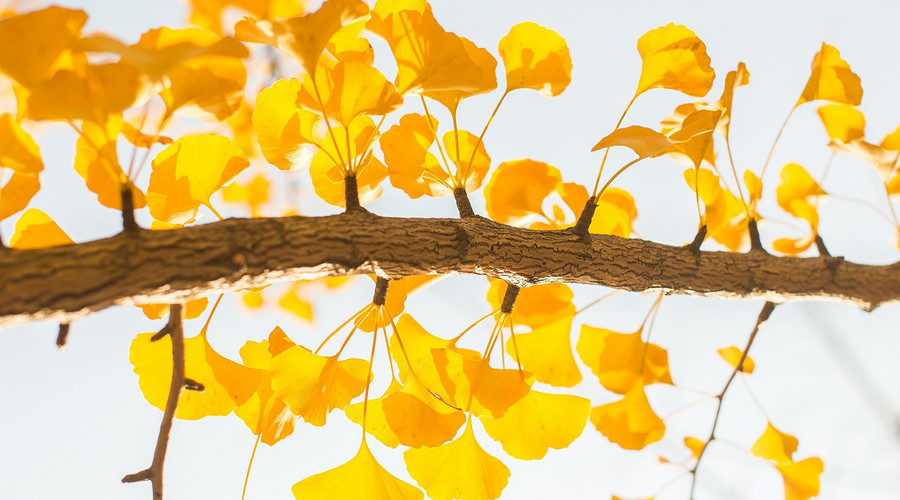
x=606 y=151
x=775 y=142
x=249 y=465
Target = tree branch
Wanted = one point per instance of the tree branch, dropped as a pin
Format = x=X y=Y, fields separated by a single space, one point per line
x=66 y=282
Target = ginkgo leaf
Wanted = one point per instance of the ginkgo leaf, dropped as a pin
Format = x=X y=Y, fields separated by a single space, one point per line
x=796 y=184
x=313 y=385
x=18 y=151
x=209 y=14
x=304 y=37
x=97 y=162
x=282 y=127
x=537 y=422
x=735 y=78
x=732 y=356
x=209 y=88
x=477 y=386
x=89 y=92
x=192 y=309
x=482 y=59
x=428 y=58
x=517 y=189
x=418 y=418
x=647 y=143
x=615 y=213
x=410 y=166
x=376 y=421
x=142 y=140
x=226 y=384
x=724 y=214
x=328 y=175
x=460 y=146
x=17 y=192
x=254 y=194
x=801 y=479
x=882 y=158
x=35 y=229
x=188 y=172
x=361 y=477
x=695 y=445
x=775 y=445
x=347 y=90
x=264 y=413
x=842 y=122
x=31 y=43
x=629 y=422
x=536 y=305
x=674 y=58
x=394 y=302
x=466 y=470
x=699 y=147
x=622 y=360
x=547 y=353
x=412 y=344
x=535 y=58
x=293 y=303
x=831 y=80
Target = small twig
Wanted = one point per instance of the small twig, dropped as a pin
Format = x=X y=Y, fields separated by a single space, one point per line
x=462 y=203
x=755 y=243
x=583 y=226
x=509 y=299
x=764 y=314
x=128 y=222
x=155 y=472
x=193 y=385
x=351 y=193
x=62 y=335
x=699 y=238
x=820 y=246
x=165 y=330
x=381 y=290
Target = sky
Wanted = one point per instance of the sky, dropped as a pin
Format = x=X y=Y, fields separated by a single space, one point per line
x=75 y=421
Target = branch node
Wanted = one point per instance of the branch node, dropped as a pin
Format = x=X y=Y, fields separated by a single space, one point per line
x=509 y=299
x=381 y=290
x=162 y=332
x=193 y=385
x=129 y=225
x=137 y=477
x=820 y=246
x=62 y=335
x=583 y=226
x=755 y=243
x=463 y=205
x=699 y=238
x=351 y=194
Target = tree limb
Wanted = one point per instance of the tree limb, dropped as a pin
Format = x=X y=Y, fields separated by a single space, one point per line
x=139 y=267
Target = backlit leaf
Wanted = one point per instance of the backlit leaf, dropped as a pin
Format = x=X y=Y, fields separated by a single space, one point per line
x=35 y=229
x=477 y=386
x=328 y=176
x=842 y=122
x=536 y=305
x=517 y=189
x=97 y=162
x=622 y=360
x=418 y=418
x=537 y=422
x=615 y=213
x=466 y=470
x=535 y=58
x=732 y=356
x=724 y=214
x=695 y=445
x=31 y=43
x=629 y=422
x=348 y=90
x=647 y=143
x=801 y=479
x=831 y=79
x=18 y=151
x=547 y=353
x=283 y=127
x=17 y=192
x=775 y=445
x=460 y=147
x=192 y=309
x=483 y=60
x=674 y=58
x=411 y=167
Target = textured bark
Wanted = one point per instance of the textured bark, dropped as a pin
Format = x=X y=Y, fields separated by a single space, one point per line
x=63 y=283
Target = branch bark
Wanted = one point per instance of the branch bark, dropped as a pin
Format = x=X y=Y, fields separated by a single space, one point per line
x=137 y=267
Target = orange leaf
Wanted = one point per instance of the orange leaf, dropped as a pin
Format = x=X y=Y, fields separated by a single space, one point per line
x=629 y=422
x=35 y=229
x=17 y=192
x=347 y=90
x=535 y=58
x=674 y=58
x=517 y=190
x=622 y=360
x=536 y=305
x=282 y=127
x=801 y=479
x=31 y=43
x=97 y=162
x=18 y=151
x=411 y=167
x=831 y=80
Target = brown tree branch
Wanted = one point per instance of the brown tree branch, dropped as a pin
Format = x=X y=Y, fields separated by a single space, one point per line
x=155 y=472
x=63 y=283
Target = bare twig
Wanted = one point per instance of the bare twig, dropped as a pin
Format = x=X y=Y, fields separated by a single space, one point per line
x=62 y=335
x=155 y=472
x=764 y=314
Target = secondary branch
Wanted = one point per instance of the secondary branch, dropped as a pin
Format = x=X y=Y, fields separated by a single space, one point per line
x=137 y=267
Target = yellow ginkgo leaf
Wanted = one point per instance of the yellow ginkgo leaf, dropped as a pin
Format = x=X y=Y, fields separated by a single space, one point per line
x=192 y=309
x=17 y=192
x=97 y=162
x=394 y=302
x=695 y=445
x=361 y=477
x=547 y=353
x=754 y=190
x=282 y=127
x=466 y=470
x=724 y=214
x=483 y=60
x=410 y=166
x=209 y=14
x=801 y=479
x=313 y=385
x=647 y=143
x=698 y=148
x=328 y=175
x=615 y=213
x=226 y=384
x=264 y=413
x=880 y=157
x=18 y=151
x=292 y=302
x=732 y=356
x=412 y=344
x=209 y=88
x=477 y=386
x=796 y=184
x=460 y=147
x=31 y=43
x=535 y=58
x=622 y=360
x=674 y=58
x=842 y=122
x=774 y=445
x=304 y=37
x=537 y=422
x=347 y=90
x=735 y=78
x=376 y=421
x=429 y=59
x=536 y=305
x=35 y=229
x=517 y=189
x=418 y=418
x=88 y=92
x=254 y=194
x=629 y=422
x=831 y=80
x=188 y=172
